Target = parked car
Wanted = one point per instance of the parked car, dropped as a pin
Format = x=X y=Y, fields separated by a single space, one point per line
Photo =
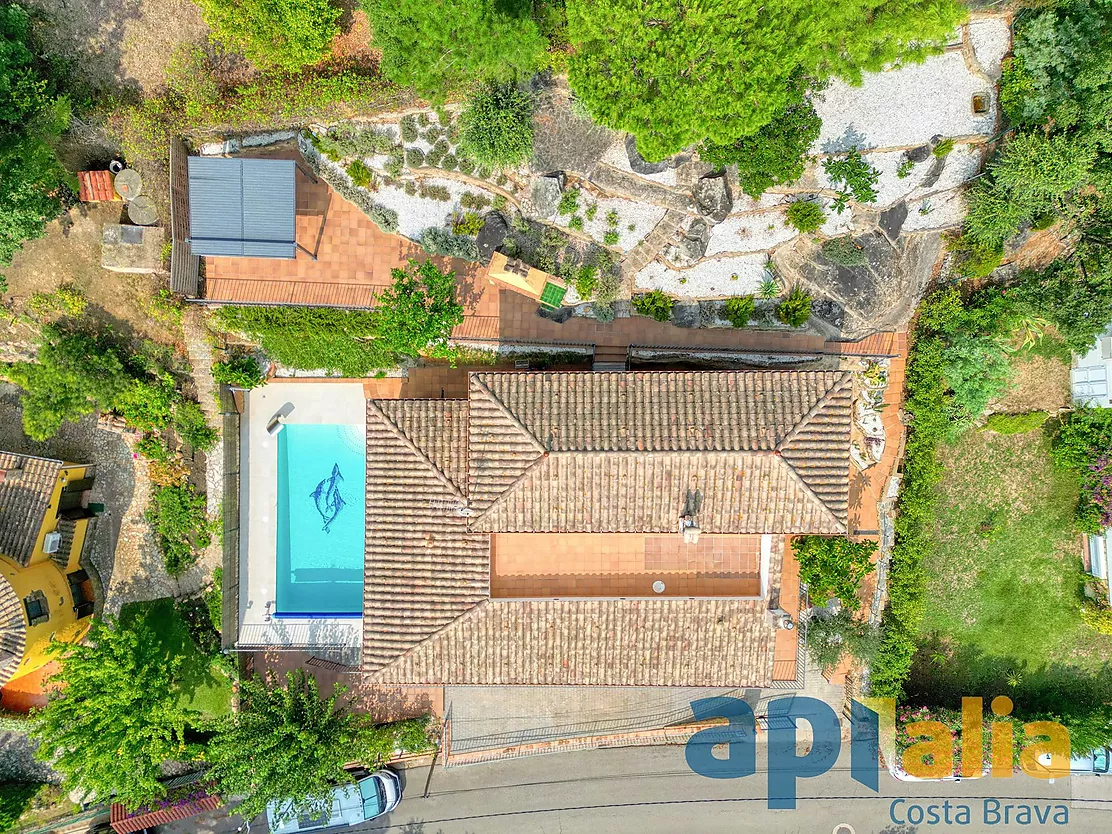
x=1094 y=763
x=367 y=799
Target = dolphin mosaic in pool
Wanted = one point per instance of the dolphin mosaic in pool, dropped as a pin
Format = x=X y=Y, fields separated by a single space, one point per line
x=327 y=497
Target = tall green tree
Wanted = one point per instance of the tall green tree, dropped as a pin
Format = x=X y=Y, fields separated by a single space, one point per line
x=117 y=717
x=419 y=311
x=32 y=181
x=776 y=154
x=674 y=74
x=288 y=742
x=437 y=46
x=282 y=34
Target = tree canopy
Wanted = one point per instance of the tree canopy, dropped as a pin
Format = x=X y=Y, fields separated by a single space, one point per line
x=289 y=742
x=118 y=716
x=419 y=311
x=437 y=46
x=674 y=74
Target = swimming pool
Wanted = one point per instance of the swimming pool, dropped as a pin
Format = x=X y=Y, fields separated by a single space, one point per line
x=321 y=510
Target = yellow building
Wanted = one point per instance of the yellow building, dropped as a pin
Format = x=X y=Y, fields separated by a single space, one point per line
x=44 y=592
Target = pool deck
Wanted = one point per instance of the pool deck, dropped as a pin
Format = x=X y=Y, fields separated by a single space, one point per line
x=338 y=402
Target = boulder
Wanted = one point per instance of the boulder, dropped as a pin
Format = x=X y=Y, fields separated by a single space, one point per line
x=638 y=163
x=919 y=153
x=545 y=195
x=686 y=314
x=712 y=197
x=692 y=247
x=891 y=220
x=490 y=237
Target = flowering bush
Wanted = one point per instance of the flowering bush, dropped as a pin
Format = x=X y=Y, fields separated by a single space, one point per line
x=1096 y=496
x=184 y=795
x=951 y=718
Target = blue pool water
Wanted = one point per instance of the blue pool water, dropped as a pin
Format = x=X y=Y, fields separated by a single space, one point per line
x=321 y=509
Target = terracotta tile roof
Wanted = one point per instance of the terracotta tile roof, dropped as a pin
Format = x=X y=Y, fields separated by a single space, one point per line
x=741 y=451
x=423 y=567
x=24 y=499
x=94 y=186
x=13 y=631
x=597 y=642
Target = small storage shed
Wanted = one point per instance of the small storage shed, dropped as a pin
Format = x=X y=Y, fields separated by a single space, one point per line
x=242 y=207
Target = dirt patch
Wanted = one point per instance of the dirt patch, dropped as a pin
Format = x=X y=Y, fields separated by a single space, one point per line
x=118 y=43
x=1040 y=384
x=70 y=254
x=354 y=41
x=1039 y=250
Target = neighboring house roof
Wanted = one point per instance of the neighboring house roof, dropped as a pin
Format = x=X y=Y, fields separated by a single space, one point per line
x=13 y=631
x=26 y=486
x=741 y=452
x=242 y=207
x=423 y=567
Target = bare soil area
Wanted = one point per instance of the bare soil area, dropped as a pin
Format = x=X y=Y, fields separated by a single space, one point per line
x=70 y=254
x=1040 y=384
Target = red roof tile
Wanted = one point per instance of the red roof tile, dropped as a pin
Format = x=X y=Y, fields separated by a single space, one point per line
x=95 y=186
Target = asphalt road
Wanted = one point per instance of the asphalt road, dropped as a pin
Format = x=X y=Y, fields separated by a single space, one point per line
x=650 y=790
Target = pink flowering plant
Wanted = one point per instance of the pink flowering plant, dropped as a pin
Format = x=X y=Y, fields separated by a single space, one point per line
x=951 y=718
x=1095 y=512
x=184 y=795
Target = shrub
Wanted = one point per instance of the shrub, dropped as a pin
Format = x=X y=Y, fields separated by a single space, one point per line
x=856 y=177
x=439 y=193
x=795 y=310
x=1097 y=617
x=191 y=425
x=739 y=310
x=439 y=241
x=287 y=34
x=1075 y=293
x=576 y=222
x=66 y=300
x=500 y=202
x=466 y=165
x=360 y=174
x=831 y=637
x=974 y=260
x=408 y=128
x=604 y=312
x=472 y=201
x=1016 y=423
x=806 y=216
x=943 y=148
x=240 y=370
x=448 y=162
x=769 y=288
x=497 y=126
x=654 y=304
x=844 y=251
x=418 y=311
x=178 y=519
x=833 y=566
x=777 y=153
x=610 y=237
x=586 y=279
x=469 y=224
x=569 y=202
x=905 y=169
x=977 y=370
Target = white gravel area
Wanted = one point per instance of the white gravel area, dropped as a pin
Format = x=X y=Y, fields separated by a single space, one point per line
x=417 y=213
x=756 y=232
x=617 y=157
x=836 y=224
x=904 y=107
x=946 y=209
x=711 y=278
x=991 y=39
x=962 y=164
x=744 y=203
x=643 y=216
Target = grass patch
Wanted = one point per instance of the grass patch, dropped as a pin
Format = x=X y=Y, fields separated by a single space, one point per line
x=1003 y=597
x=204 y=685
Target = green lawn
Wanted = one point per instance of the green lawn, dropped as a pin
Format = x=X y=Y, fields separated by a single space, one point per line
x=1005 y=579
x=204 y=685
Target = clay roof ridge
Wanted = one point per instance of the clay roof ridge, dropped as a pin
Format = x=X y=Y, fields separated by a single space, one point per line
x=416 y=450
x=824 y=400
x=509 y=415
x=517 y=482
x=470 y=613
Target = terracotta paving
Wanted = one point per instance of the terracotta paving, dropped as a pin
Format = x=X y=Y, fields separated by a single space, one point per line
x=787 y=642
x=619 y=565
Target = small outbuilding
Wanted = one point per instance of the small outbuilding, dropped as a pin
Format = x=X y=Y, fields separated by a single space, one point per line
x=242 y=207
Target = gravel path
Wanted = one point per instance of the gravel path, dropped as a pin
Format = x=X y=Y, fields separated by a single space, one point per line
x=711 y=278
x=991 y=38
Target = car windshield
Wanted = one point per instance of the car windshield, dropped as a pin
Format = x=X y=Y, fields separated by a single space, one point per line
x=1100 y=761
x=374 y=798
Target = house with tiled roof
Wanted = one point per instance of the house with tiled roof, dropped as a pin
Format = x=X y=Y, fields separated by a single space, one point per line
x=597 y=528
x=45 y=594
